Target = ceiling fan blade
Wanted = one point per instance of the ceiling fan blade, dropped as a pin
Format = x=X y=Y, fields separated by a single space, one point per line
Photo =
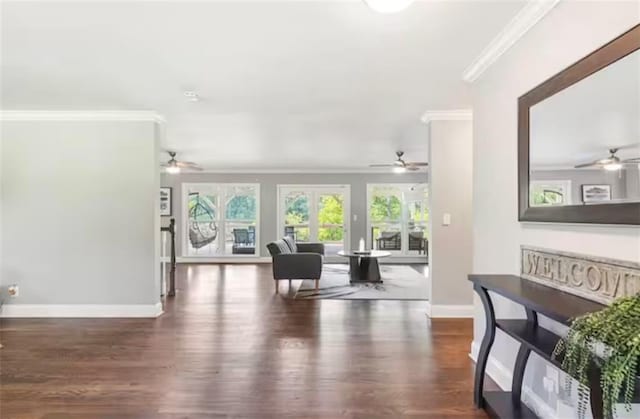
x=412 y=168
x=164 y=164
x=601 y=162
x=188 y=165
x=632 y=160
x=382 y=165
x=624 y=147
x=591 y=164
x=185 y=163
x=418 y=163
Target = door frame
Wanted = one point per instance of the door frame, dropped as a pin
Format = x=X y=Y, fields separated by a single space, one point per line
x=315 y=189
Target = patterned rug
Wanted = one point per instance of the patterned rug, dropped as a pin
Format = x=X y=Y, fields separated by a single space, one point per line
x=400 y=282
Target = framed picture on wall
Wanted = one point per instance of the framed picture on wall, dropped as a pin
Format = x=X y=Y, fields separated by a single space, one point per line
x=165 y=202
x=596 y=193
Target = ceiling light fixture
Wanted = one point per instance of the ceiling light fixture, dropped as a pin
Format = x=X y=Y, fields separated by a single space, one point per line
x=388 y=6
x=191 y=96
x=399 y=169
x=173 y=168
x=612 y=167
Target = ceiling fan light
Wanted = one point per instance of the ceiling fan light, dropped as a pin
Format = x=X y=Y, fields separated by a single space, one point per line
x=388 y=6
x=173 y=170
x=612 y=167
x=399 y=169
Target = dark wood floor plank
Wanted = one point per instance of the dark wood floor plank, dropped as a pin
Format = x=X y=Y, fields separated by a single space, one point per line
x=228 y=347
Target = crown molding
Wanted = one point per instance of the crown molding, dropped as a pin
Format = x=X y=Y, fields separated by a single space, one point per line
x=44 y=115
x=526 y=18
x=451 y=115
x=248 y=171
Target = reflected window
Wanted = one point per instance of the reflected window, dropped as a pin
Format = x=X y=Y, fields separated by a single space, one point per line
x=549 y=193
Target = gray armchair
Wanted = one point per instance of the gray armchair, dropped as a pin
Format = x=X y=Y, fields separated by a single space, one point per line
x=293 y=260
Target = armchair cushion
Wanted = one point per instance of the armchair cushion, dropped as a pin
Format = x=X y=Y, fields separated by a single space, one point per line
x=278 y=247
x=291 y=243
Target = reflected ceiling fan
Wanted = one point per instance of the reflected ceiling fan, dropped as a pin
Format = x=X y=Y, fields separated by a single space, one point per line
x=174 y=166
x=610 y=163
x=401 y=166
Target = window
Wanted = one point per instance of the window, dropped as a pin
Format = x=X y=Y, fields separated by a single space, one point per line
x=221 y=219
x=398 y=217
x=315 y=213
x=550 y=192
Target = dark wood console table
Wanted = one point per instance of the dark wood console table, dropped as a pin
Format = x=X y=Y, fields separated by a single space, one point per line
x=536 y=299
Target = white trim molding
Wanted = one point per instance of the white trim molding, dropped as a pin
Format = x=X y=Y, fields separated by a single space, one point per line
x=81 y=310
x=44 y=115
x=294 y=171
x=447 y=115
x=439 y=311
x=526 y=18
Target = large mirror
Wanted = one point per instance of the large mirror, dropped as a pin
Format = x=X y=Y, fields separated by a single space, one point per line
x=579 y=140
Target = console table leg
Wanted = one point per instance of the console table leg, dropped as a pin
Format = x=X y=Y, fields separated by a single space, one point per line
x=485 y=346
x=521 y=359
x=518 y=373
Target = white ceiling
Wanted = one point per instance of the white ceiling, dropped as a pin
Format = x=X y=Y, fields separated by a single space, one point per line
x=581 y=123
x=284 y=85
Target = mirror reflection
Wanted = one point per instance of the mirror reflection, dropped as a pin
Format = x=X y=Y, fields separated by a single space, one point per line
x=585 y=140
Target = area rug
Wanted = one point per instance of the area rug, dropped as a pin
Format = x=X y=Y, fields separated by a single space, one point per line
x=399 y=283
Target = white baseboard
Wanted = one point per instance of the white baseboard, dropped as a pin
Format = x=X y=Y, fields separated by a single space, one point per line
x=81 y=310
x=503 y=376
x=231 y=259
x=449 y=311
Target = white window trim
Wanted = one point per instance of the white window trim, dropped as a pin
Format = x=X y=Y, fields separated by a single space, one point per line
x=185 y=216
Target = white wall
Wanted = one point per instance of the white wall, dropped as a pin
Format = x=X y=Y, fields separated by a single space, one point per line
x=79 y=216
x=451 y=251
x=569 y=32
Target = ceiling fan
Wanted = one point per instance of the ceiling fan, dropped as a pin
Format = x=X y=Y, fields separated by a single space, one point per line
x=401 y=166
x=611 y=163
x=174 y=166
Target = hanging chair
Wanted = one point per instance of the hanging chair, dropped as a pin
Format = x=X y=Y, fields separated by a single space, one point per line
x=202 y=225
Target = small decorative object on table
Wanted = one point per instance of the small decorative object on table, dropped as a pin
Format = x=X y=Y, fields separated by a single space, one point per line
x=615 y=329
x=361 y=250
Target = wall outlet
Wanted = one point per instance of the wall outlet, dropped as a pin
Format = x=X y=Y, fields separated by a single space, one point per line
x=13 y=290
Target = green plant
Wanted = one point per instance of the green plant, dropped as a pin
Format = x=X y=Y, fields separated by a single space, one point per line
x=615 y=331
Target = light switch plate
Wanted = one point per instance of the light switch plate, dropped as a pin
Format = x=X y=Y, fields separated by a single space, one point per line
x=446 y=219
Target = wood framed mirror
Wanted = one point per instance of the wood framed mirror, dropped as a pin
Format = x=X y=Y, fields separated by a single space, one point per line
x=579 y=140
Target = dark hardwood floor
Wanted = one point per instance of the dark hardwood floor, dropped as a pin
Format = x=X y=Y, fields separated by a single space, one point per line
x=228 y=347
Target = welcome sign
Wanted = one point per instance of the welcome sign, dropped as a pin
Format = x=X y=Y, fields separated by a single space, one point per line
x=599 y=279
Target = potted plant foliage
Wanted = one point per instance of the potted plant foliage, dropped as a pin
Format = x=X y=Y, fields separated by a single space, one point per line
x=610 y=340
